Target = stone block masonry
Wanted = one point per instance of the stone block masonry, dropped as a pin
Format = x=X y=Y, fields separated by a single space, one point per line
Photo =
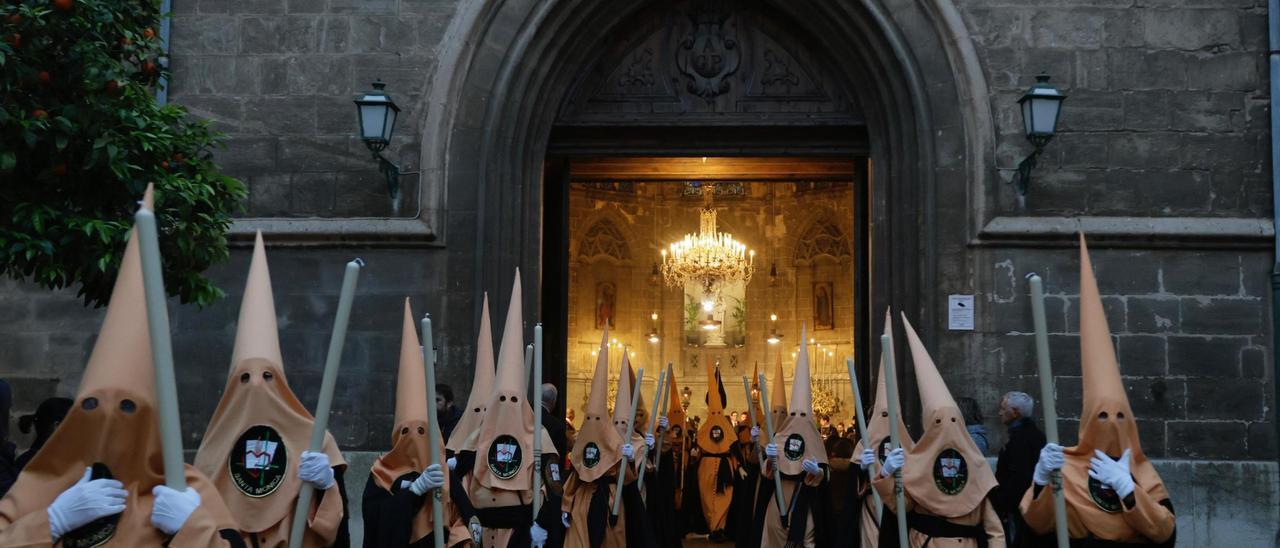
x=278 y=78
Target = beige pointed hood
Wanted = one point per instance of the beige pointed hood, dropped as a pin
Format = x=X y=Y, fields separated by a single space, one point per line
x=641 y=422
x=878 y=418
x=778 y=396
x=254 y=442
x=946 y=474
x=597 y=444
x=675 y=414
x=410 y=443
x=622 y=408
x=462 y=438
x=1107 y=422
x=504 y=446
x=716 y=434
x=113 y=426
x=799 y=439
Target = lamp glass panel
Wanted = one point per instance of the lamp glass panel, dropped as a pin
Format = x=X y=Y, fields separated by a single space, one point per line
x=372 y=119
x=1027 y=117
x=390 y=125
x=1044 y=115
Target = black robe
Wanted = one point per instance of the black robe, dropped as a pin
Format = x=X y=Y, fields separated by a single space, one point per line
x=744 y=527
x=548 y=513
x=813 y=500
x=660 y=498
x=691 y=501
x=388 y=515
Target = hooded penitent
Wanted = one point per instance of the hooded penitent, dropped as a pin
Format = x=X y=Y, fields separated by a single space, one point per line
x=641 y=422
x=945 y=473
x=113 y=428
x=799 y=438
x=463 y=438
x=878 y=418
x=1107 y=424
x=597 y=444
x=259 y=430
x=716 y=434
x=410 y=442
x=622 y=410
x=504 y=445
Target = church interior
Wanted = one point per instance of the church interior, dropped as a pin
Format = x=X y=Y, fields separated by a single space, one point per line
x=792 y=230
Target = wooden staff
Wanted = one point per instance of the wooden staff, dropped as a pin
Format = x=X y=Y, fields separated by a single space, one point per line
x=746 y=389
x=536 y=349
x=777 y=472
x=1047 y=400
x=891 y=386
x=161 y=350
x=862 y=430
x=429 y=361
x=327 y=382
x=653 y=423
x=622 y=466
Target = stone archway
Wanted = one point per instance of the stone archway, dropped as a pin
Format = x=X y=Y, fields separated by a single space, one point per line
x=512 y=63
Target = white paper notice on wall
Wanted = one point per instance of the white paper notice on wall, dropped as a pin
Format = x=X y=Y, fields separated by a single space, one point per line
x=960 y=312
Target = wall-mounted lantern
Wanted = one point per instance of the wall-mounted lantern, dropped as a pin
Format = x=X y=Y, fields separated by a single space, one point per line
x=377 y=122
x=1040 y=106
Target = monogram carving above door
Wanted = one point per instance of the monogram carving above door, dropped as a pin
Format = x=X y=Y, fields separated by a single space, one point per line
x=709 y=62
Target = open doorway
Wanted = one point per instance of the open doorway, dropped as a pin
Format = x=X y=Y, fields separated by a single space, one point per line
x=802 y=224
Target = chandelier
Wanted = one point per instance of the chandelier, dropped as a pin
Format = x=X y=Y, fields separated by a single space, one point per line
x=709 y=258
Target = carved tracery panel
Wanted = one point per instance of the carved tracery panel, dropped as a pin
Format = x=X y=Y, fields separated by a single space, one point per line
x=603 y=239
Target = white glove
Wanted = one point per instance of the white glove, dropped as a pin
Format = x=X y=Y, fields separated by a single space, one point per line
x=315 y=469
x=429 y=479
x=771 y=451
x=84 y=502
x=663 y=423
x=1051 y=459
x=172 y=508
x=868 y=458
x=453 y=463
x=755 y=434
x=648 y=440
x=538 y=535
x=893 y=462
x=477 y=533
x=811 y=466
x=1113 y=473
x=628 y=452
x=564 y=518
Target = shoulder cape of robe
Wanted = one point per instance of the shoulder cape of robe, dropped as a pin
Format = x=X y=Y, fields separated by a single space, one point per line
x=1146 y=517
x=980 y=528
x=389 y=515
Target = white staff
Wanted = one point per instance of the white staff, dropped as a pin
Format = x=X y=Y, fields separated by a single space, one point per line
x=653 y=423
x=777 y=473
x=327 y=382
x=1050 y=407
x=891 y=386
x=429 y=359
x=862 y=429
x=622 y=466
x=161 y=350
x=536 y=349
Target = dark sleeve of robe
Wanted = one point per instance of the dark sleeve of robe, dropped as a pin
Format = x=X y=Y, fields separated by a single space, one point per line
x=660 y=489
x=640 y=533
x=457 y=492
x=388 y=515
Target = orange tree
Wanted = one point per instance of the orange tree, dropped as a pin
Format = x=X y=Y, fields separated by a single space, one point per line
x=81 y=135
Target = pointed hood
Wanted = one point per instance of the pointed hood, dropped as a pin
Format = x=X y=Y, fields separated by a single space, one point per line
x=799 y=439
x=504 y=446
x=258 y=413
x=675 y=413
x=596 y=446
x=113 y=426
x=622 y=405
x=716 y=434
x=1107 y=422
x=778 y=396
x=946 y=473
x=463 y=437
x=878 y=418
x=410 y=443
x=641 y=422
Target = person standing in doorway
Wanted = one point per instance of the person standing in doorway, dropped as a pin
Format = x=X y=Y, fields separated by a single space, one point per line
x=973 y=423
x=448 y=413
x=1017 y=459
